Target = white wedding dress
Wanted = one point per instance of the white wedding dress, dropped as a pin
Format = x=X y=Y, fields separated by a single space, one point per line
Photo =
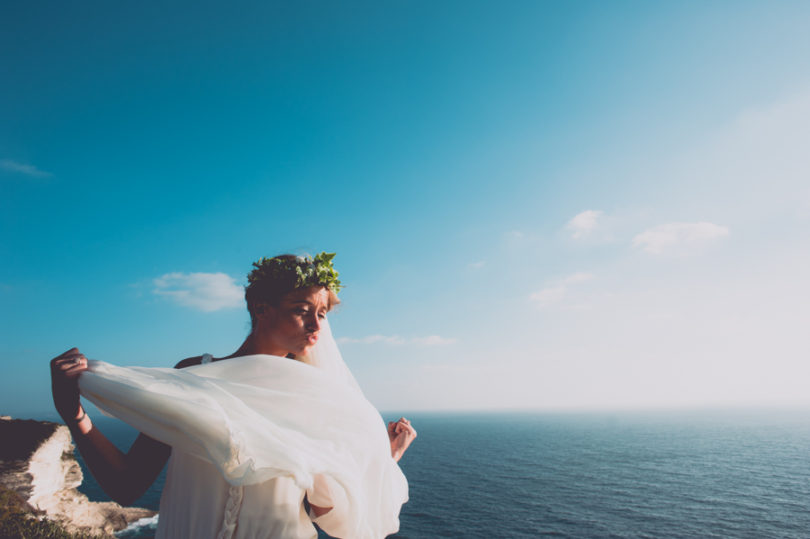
x=250 y=435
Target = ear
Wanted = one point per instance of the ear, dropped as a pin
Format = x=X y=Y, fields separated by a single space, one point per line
x=263 y=310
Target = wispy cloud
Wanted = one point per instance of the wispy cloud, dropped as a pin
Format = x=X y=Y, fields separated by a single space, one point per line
x=396 y=340
x=373 y=339
x=203 y=291
x=23 y=168
x=548 y=295
x=556 y=292
x=578 y=277
x=432 y=340
x=476 y=265
x=582 y=224
x=679 y=238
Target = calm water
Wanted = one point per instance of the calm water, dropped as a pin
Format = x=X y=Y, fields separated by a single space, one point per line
x=710 y=474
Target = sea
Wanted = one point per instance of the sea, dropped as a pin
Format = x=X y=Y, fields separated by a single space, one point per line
x=695 y=474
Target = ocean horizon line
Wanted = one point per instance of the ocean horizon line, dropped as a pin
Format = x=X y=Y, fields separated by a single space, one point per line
x=562 y=411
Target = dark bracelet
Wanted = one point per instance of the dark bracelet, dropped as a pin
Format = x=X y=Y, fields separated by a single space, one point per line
x=79 y=419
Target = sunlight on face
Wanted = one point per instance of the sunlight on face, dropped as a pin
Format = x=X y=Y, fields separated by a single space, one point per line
x=294 y=325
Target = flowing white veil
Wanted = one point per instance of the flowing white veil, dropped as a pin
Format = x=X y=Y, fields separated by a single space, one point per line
x=259 y=417
x=326 y=356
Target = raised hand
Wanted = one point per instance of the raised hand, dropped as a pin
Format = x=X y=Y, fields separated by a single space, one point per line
x=401 y=434
x=65 y=371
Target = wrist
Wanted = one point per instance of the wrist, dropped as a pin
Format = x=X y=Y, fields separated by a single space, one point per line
x=81 y=422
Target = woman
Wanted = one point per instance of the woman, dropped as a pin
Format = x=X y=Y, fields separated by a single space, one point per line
x=254 y=437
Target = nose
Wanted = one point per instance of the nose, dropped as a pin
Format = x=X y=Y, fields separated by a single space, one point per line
x=313 y=323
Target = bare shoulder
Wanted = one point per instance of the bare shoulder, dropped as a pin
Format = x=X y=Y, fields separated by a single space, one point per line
x=188 y=362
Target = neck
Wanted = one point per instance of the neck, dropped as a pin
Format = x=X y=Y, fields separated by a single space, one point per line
x=255 y=344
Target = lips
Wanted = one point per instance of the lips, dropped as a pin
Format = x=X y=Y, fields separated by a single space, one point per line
x=312 y=338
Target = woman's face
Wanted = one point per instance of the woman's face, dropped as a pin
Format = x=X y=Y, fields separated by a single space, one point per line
x=293 y=326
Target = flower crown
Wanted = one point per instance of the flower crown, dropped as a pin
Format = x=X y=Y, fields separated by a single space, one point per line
x=301 y=271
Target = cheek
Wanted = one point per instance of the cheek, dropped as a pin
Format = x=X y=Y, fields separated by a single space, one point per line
x=292 y=325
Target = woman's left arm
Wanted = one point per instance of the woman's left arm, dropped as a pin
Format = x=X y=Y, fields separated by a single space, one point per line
x=401 y=434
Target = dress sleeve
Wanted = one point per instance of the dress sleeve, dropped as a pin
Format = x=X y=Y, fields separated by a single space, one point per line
x=326 y=492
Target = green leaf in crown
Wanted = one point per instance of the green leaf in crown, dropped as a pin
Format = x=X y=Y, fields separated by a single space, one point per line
x=304 y=271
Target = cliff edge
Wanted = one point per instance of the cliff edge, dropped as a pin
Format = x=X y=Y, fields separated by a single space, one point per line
x=37 y=462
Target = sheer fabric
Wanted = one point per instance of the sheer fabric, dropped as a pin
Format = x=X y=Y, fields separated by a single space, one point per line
x=198 y=503
x=258 y=418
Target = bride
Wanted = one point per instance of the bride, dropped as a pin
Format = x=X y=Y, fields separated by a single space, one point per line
x=261 y=443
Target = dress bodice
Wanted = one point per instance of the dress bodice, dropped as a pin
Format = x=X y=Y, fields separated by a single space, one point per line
x=198 y=503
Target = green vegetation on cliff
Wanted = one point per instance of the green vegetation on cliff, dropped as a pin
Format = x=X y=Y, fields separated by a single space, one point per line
x=17 y=521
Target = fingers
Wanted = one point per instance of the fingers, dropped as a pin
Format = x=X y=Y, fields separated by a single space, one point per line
x=401 y=434
x=400 y=427
x=69 y=364
x=71 y=374
x=70 y=353
x=71 y=356
x=75 y=371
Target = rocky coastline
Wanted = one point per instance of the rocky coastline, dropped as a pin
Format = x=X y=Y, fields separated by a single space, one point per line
x=38 y=464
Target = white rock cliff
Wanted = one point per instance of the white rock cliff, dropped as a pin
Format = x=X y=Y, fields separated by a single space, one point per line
x=36 y=461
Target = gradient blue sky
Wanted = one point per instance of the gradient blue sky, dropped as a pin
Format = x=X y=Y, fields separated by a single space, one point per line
x=556 y=205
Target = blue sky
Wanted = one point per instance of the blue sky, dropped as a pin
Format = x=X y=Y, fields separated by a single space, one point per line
x=534 y=205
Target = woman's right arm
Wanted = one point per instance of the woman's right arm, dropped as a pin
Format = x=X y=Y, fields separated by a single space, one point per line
x=124 y=477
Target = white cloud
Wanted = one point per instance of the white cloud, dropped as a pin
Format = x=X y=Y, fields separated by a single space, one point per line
x=549 y=295
x=583 y=223
x=476 y=265
x=679 y=238
x=432 y=340
x=373 y=339
x=22 y=168
x=204 y=291
x=556 y=293
x=396 y=340
x=578 y=277
x=515 y=239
